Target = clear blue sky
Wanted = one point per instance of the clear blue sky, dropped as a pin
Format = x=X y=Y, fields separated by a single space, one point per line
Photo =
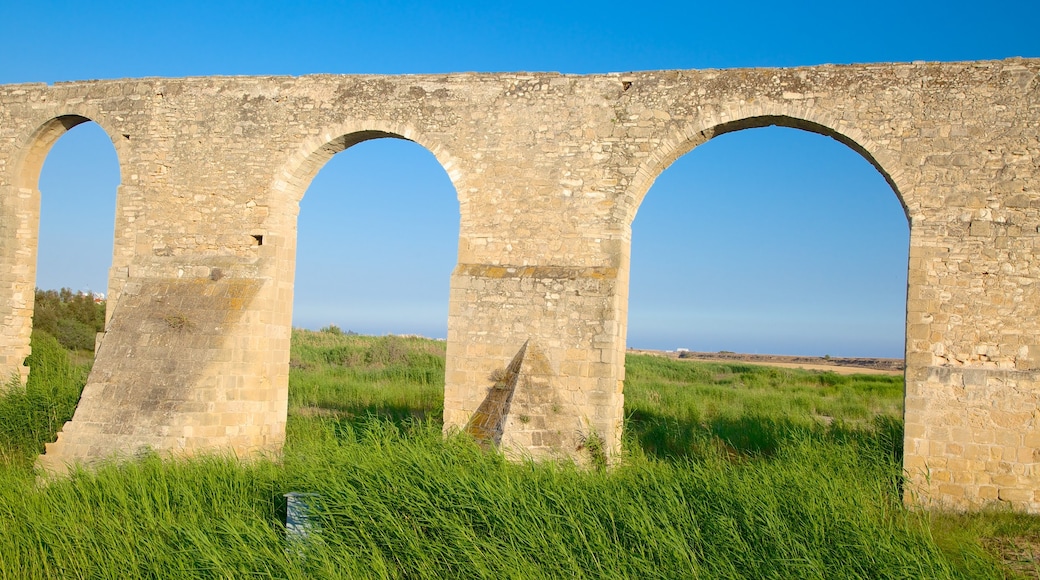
x=814 y=264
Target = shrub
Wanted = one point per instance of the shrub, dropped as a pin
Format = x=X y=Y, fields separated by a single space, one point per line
x=72 y=318
x=332 y=329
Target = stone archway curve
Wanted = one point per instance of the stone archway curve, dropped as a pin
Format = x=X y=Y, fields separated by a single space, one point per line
x=688 y=137
x=295 y=176
x=36 y=145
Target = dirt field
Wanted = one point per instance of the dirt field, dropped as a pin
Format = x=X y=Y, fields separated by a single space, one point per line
x=840 y=365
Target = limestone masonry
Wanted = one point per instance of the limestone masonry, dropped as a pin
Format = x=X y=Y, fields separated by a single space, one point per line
x=550 y=170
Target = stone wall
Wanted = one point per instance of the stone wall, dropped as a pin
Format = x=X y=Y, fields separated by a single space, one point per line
x=550 y=170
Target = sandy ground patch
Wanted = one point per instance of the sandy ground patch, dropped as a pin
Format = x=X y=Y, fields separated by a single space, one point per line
x=840 y=365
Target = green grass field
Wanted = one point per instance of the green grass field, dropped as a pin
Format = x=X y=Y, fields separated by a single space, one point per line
x=728 y=471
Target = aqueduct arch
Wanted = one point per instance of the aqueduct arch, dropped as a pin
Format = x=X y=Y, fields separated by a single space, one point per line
x=290 y=184
x=19 y=238
x=657 y=163
x=549 y=170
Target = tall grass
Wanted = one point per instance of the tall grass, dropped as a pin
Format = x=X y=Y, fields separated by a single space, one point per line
x=811 y=490
x=393 y=377
x=451 y=510
x=30 y=415
x=681 y=408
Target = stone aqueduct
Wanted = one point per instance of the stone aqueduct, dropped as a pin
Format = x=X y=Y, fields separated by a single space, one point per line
x=549 y=170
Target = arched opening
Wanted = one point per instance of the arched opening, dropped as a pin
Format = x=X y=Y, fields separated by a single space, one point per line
x=770 y=241
x=65 y=210
x=68 y=178
x=377 y=239
x=383 y=215
x=775 y=240
x=78 y=182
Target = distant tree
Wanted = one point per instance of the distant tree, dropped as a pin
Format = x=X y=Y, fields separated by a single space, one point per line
x=73 y=318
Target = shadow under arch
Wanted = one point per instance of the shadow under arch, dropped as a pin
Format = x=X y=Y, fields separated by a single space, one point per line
x=848 y=136
x=19 y=244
